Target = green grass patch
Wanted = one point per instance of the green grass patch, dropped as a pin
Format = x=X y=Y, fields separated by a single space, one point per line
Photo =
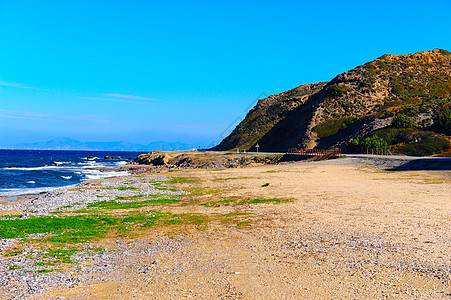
x=9 y=217
x=232 y=217
x=12 y=253
x=44 y=271
x=62 y=255
x=70 y=230
x=187 y=218
x=161 y=186
x=243 y=224
x=114 y=204
x=62 y=229
x=135 y=197
x=258 y=200
x=15 y=267
x=200 y=191
x=180 y=180
x=46 y=263
x=122 y=188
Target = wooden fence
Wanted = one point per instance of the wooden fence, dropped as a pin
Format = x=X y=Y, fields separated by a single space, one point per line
x=316 y=152
x=379 y=151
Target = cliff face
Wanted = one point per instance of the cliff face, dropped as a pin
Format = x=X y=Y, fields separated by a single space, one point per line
x=352 y=106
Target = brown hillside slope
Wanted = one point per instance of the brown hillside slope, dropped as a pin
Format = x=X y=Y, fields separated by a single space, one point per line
x=266 y=114
x=353 y=105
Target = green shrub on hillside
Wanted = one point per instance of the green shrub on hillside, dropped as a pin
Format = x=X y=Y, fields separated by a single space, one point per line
x=328 y=128
x=409 y=141
x=337 y=91
x=374 y=142
x=442 y=121
x=425 y=147
x=349 y=121
x=402 y=121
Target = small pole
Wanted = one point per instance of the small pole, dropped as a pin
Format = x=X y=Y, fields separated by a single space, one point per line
x=257 y=146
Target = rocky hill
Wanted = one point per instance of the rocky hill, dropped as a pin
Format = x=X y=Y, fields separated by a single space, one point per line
x=397 y=101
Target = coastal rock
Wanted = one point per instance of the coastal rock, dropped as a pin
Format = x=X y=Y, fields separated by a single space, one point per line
x=112 y=157
x=193 y=160
x=155 y=158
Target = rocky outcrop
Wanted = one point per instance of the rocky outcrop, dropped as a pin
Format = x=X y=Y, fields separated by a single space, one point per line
x=191 y=160
x=155 y=158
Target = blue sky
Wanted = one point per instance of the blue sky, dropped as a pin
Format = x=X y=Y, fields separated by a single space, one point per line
x=143 y=71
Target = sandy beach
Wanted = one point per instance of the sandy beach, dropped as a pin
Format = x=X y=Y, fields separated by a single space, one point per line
x=338 y=229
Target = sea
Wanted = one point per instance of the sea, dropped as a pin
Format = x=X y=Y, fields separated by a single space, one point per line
x=34 y=171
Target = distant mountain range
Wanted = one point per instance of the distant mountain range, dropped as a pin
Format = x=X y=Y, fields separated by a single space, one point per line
x=72 y=144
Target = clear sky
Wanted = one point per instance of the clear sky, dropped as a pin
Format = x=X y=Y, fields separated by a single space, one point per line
x=143 y=71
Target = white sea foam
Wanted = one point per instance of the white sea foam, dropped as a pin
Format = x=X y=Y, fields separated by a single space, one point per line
x=40 y=168
x=66 y=177
x=91 y=158
x=31 y=168
x=31 y=181
x=121 y=163
x=96 y=174
x=89 y=163
x=61 y=162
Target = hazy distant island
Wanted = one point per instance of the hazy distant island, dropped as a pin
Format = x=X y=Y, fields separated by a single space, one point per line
x=73 y=144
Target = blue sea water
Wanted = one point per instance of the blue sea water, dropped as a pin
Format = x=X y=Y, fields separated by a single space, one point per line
x=34 y=171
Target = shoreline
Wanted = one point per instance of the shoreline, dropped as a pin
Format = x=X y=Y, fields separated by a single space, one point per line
x=377 y=162
x=302 y=229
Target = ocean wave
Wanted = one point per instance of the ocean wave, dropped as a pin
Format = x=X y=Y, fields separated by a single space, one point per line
x=96 y=174
x=31 y=181
x=61 y=162
x=41 y=168
x=91 y=158
x=89 y=163
x=66 y=177
x=31 y=168
x=121 y=163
